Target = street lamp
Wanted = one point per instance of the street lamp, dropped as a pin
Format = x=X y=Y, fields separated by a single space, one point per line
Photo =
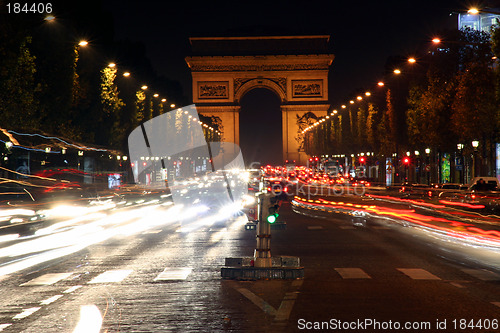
x=83 y=43
x=475 y=144
x=380 y=84
x=436 y=40
x=50 y=18
x=397 y=71
x=144 y=87
x=412 y=60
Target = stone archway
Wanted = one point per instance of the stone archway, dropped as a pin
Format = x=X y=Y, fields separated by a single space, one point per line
x=293 y=67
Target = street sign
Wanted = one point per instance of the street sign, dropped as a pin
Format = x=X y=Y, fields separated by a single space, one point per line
x=389 y=170
x=427 y=168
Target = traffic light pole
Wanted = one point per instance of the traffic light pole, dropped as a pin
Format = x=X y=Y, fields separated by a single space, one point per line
x=262 y=265
x=262 y=253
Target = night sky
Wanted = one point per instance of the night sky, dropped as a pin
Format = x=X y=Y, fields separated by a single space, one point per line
x=363 y=35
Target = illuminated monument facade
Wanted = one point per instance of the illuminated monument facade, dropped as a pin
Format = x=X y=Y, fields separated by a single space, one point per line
x=295 y=68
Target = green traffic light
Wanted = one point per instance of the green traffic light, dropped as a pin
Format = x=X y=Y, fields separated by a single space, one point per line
x=271 y=218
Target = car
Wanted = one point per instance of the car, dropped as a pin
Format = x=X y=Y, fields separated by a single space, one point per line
x=488 y=184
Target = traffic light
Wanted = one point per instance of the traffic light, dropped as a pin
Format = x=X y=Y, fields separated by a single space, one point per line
x=272 y=218
x=362 y=159
x=406 y=160
x=270 y=209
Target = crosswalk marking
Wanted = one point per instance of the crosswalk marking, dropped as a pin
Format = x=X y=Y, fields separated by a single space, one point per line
x=26 y=313
x=418 y=274
x=174 y=273
x=352 y=273
x=50 y=300
x=111 y=276
x=314 y=227
x=47 y=279
x=70 y=290
x=2 y=326
x=482 y=274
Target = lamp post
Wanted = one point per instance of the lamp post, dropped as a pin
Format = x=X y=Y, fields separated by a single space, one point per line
x=460 y=167
x=428 y=165
x=475 y=144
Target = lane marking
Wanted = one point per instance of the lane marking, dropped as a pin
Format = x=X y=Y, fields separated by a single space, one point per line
x=50 y=300
x=314 y=227
x=111 y=276
x=152 y=232
x=418 y=274
x=456 y=284
x=347 y=227
x=496 y=303
x=174 y=273
x=70 y=290
x=2 y=326
x=26 y=313
x=352 y=273
x=286 y=307
x=46 y=279
x=482 y=274
x=263 y=305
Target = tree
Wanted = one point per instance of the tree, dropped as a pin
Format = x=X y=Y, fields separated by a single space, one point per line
x=112 y=106
x=475 y=110
x=18 y=106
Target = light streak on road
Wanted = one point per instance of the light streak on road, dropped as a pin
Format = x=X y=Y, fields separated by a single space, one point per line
x=473 y=234
x=97 y=223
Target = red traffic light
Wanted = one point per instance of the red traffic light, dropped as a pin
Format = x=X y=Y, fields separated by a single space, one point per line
x=316 y=159
x=406 y=160
x=362 y=160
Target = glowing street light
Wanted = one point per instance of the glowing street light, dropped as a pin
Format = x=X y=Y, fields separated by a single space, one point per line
x=436 y=40
x=111 y=65
x=163 y=100
x=380 y=84
x=412 y=60
x=50 y=18
x=343 y=106
x=83 y=43
x=156 y=95
x=359 y=98
x=397 y=71
x=172 y=105
x=368 y=94
x=473 y=11
x=144 y=87
x=126 y=74
x=351 y=101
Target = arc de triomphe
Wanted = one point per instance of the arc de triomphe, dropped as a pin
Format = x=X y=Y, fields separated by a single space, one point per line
x=295 y=68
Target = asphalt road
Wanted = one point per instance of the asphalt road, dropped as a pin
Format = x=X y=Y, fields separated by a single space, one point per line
x=162 y=280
